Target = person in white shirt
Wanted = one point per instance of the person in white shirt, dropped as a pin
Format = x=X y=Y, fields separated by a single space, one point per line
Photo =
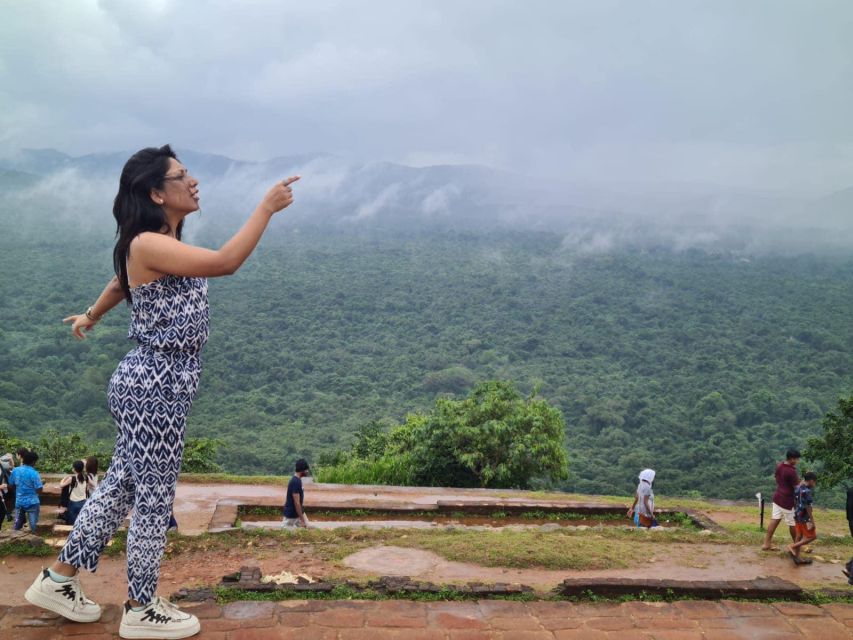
x=78 y=492
x=643 y=508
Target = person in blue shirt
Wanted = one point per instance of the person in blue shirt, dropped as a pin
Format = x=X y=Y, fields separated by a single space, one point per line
x=27 y=483
x=804 y=516
x=294 y=516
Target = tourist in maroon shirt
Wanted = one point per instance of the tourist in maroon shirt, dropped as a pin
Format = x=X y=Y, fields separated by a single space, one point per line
x=783 y=500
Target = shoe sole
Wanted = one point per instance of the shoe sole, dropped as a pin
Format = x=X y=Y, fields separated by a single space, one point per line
x=147 y=633
x=34 y=596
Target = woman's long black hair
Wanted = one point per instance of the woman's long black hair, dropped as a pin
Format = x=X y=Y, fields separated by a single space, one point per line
x=78 y=470
x=134 y=210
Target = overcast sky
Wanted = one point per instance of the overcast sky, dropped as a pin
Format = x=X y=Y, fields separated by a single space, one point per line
x=745 y=93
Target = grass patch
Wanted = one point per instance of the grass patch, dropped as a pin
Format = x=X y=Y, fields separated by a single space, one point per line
x=119 y=545
x=24 y=549
x=507 y=548
x=526 y=549
x=225 y=595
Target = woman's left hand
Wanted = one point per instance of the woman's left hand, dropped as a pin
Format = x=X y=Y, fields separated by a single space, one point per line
x=80 y=323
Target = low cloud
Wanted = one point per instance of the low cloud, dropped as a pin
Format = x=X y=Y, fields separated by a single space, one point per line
x=438 y=202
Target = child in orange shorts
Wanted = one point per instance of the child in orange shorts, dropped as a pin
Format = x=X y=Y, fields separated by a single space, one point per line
x=803 y=516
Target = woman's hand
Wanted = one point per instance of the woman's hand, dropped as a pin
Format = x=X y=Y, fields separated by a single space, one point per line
x=279 y=196
x=80 y=324
x=630 y=511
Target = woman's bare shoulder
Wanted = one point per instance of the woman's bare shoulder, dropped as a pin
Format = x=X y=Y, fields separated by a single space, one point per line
x=148 y=238
x=151 y=241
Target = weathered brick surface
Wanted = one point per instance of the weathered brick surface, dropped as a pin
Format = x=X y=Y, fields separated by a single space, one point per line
x=210 y=635
x=111 y=614
x=679 y=634
x=523 y=635
x=700 y=609
x=610 y=624
x=452 y=621
x=789 y=609
x=204 y=611
x=552 y=609
x=519 y=622
x=485 y=620
x=769 y=625
x=599 y=610
x=72 y=629
x=582 y=634
x=224 y=624
x=839 y=611
x=552 y=624
x=342 y=618
x=248 y=610
x=34 y=633
x=639 y=609
x=400 y=608
x=505 y=608
x=302 y=605
x=468 y=634
x=740 y=609
x=674 y=621
x=631 y=634
x=291 y=619
x=406 y=622
x=718 y=623
x=815 y=628
x=283 y=633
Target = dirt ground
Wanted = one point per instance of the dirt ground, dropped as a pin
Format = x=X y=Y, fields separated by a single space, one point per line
x=676 y=561
x=108 y=584
x=195 y=503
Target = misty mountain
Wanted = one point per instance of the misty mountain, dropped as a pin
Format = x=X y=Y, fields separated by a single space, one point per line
x=354 y=195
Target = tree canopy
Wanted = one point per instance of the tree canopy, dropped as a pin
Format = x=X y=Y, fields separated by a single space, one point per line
x=834 y=448
x=705 y=366
x=493 y=438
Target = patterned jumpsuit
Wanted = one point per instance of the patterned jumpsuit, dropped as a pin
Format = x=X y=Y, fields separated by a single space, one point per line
x=149 y=395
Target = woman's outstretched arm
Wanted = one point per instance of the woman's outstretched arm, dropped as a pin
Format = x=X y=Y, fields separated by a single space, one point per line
x=110 y=297
x=164 y=254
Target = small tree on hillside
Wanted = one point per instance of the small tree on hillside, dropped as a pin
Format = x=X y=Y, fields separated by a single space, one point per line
x=200 y=456
x=835 y=449
x=493 y=438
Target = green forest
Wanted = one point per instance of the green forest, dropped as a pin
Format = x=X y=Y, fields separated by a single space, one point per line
x=705 y=366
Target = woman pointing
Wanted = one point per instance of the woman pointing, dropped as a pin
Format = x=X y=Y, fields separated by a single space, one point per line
x=152 y=389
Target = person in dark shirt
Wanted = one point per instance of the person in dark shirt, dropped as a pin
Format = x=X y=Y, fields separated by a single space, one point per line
x=806 y=531
x=294 y=515
x=783 y=500
x=848 y=568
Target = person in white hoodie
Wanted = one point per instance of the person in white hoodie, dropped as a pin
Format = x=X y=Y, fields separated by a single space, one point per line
x=643 y=507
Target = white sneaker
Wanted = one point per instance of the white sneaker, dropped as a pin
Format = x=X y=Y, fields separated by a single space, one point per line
x=64 y=598
x=160 y=619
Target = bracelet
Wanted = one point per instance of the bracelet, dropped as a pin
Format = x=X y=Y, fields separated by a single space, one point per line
x=90 y=315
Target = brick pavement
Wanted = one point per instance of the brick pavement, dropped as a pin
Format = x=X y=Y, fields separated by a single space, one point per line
x=501 y=620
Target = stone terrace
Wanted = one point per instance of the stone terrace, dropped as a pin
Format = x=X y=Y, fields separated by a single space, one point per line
x=502 y=620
